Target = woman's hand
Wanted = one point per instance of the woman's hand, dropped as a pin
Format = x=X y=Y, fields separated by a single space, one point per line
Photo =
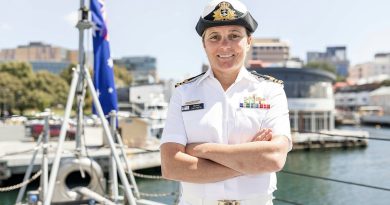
x=194 y=149
x=264 y=134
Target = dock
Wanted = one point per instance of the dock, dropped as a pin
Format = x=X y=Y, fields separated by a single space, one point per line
x=16 y=153
x=330 y=139
x=375 y=120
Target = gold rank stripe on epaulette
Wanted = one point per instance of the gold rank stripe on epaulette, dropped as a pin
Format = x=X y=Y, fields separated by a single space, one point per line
x=267 y=77
x=189 y=80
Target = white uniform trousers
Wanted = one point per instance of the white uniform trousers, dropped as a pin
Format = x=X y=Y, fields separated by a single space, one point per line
x=260 y=200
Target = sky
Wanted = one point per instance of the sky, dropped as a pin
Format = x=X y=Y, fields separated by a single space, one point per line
x=166 y=29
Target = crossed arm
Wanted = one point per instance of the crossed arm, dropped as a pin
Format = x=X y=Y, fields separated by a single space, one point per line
x=211 y=162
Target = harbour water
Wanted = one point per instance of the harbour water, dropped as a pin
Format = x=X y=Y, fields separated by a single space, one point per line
x=369 y=166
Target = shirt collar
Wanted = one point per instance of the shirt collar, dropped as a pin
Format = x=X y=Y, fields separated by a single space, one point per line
x=243 y=74
x=209 y=73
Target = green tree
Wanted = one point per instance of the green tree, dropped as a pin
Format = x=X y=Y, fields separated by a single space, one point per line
x=24 y=99
x=10 y=88
x=322 y=66
x=38 y=99
x=52 y=85
x=122 y=76
x=20 y=70
x=385 y=83
x=21 y=88
x=23 y=76
x=67 y=73
x=340 y=78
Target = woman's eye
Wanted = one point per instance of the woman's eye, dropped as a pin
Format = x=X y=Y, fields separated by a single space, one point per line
x=234 y=36
x=214 y=38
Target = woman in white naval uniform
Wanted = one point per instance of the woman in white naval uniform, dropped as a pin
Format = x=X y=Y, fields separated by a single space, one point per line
x=227 y=130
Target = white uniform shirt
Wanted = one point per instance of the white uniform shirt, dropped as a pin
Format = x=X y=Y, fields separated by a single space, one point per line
x=201 y=111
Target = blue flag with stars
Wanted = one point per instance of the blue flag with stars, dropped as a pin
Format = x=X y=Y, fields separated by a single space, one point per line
x=103 y=74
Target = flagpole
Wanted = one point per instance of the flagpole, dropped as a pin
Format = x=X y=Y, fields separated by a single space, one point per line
x=105 y=85
x=78 y=87
x=83 y=25
x=78 y=77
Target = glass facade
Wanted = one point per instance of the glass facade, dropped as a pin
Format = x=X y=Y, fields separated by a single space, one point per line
x=140 y=67
x=305 y=121
x=308 y=89
x=53 y=67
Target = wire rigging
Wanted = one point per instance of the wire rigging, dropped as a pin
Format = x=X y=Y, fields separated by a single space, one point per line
x=335 y=180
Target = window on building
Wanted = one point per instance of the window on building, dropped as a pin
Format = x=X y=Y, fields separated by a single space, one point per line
x=304 y=124
x=320 y=121
x=292 y=120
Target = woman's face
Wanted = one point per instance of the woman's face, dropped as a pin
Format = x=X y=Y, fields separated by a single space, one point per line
x=226 y=47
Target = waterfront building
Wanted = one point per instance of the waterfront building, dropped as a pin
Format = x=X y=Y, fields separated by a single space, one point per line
x=312 y=109
x=41 y=56
x=144 y=102
x=142 y=68
x=336 y=56
x=352 y=97
x=381 y=97
x=310 y=97
x=371 y=72
x=268 y=51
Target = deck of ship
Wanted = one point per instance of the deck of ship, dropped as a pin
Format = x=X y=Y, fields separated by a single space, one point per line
x=16 y=153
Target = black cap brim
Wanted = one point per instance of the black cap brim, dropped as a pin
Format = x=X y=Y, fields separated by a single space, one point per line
x=246 y=21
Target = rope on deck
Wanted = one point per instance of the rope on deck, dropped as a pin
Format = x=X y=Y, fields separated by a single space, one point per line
x=147 y=176
x=158 y=194
x=155 y=194
x=20 y=152
x=20 y=185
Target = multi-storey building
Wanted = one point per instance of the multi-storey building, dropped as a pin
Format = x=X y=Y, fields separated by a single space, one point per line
x=142 y=68
x=41 y=56
x=351 y=98
x=371 y=72
x=268 y=52
x=336 y=56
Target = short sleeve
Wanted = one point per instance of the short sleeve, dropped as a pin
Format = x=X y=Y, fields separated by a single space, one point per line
x=278 y=116
x=174 y=130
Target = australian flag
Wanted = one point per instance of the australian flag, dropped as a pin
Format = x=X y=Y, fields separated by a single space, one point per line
x=103 y=74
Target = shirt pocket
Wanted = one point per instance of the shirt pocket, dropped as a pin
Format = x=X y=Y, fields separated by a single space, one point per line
x=201 y=126
x=249 y=121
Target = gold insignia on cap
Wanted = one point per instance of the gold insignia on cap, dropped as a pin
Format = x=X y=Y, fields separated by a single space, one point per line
x=224 y=12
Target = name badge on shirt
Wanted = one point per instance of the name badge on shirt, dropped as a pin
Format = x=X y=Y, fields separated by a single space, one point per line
x=192 y=107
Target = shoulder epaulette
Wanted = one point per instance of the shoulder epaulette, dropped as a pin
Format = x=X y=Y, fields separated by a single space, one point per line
x=267 y=77
x=189 y=80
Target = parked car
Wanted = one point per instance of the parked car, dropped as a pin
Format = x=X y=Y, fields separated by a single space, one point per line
x=55 y=129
